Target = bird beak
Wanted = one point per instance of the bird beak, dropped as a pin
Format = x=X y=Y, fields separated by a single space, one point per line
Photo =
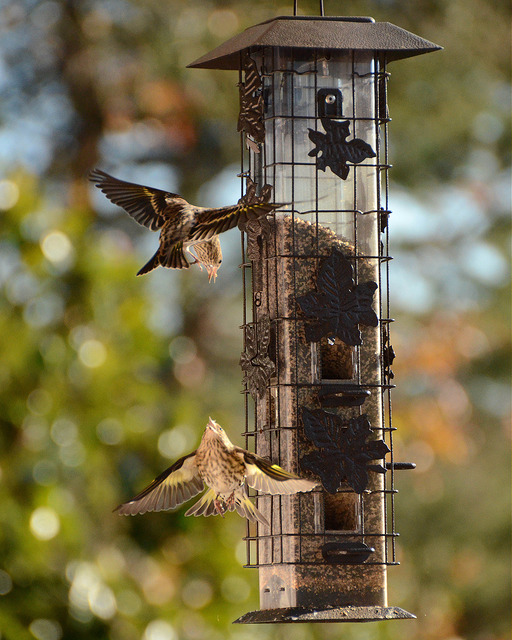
x=212 y=272
x=211 y=424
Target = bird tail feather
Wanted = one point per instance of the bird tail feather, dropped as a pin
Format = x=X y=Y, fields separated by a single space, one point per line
x=153 y=263
x=246 y=509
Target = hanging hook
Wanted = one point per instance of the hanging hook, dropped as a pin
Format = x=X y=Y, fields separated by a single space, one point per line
x=322 y=7
x=295 y=3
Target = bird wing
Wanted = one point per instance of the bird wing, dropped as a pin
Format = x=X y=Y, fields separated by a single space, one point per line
x=145 y=205
x=175 y=485
x=212 y=221
x=271 y=478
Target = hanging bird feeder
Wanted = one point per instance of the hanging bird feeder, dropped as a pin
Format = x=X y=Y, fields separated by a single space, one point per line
x=317 y=357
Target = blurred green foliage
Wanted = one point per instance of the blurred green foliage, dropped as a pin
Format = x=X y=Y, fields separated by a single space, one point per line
x=107 y=378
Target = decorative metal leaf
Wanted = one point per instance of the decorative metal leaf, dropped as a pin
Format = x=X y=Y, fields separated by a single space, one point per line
x=250 y=197
x=319 y=427
x=326 y=467
x=251 y=344
x=334 y=151
x=250 y=192
x=344 y=450
x=388 y=356
x=250 y=118
x=263 y=335
x=257 y=367
x=339 y=305
x=258 y=230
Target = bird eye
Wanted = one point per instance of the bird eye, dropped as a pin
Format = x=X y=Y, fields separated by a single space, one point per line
x=330 y=98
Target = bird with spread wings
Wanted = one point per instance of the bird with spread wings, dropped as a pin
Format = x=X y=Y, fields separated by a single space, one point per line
x=181 y=224
x=227 y=471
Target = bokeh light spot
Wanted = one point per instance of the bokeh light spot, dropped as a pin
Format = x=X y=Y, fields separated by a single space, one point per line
x=157 y=584
x=140 y=418
x=9 y=194
x=175 y=442
x=128 y=602
x=192 y=374
x=97 y=24
x=39 y=401
x=80 y=334
x=53 y=349
x=182 y=350
x=44 y=629
x=44 y=523
x=35 y=433
x=235 y=589
x=159 y=630
x=241 y=552
x=73 y=455
x=56 y=247
x=43 y=310
x=20 y=286
x=487 y=127
x=61 y=499
x=45 y=472
x=110 y=431
x=422 y=454
x=88 y=592
x=92 y=353
x=197 y=594
x=5 y=583
x=45 y=14
x=102 y=601
x=64 y=432
x=222 y=22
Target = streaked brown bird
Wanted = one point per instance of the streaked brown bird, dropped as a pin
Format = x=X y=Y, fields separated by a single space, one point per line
x=208 y=254
x=181 y=224
x=227 y=470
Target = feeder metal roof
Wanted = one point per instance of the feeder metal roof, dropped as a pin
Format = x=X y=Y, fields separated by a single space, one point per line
x=331 y=33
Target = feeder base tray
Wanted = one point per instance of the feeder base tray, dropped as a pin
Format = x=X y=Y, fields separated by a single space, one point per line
x=340 y=614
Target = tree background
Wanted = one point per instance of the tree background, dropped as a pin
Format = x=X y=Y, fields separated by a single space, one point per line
x=107 y=378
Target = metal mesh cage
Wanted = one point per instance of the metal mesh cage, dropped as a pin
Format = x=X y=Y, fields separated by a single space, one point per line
x=344 y=539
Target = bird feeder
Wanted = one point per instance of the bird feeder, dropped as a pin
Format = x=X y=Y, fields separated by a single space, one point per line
x=317 y=356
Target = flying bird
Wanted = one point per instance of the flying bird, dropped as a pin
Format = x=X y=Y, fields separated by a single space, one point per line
x=181 y=224
x=227 y=471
